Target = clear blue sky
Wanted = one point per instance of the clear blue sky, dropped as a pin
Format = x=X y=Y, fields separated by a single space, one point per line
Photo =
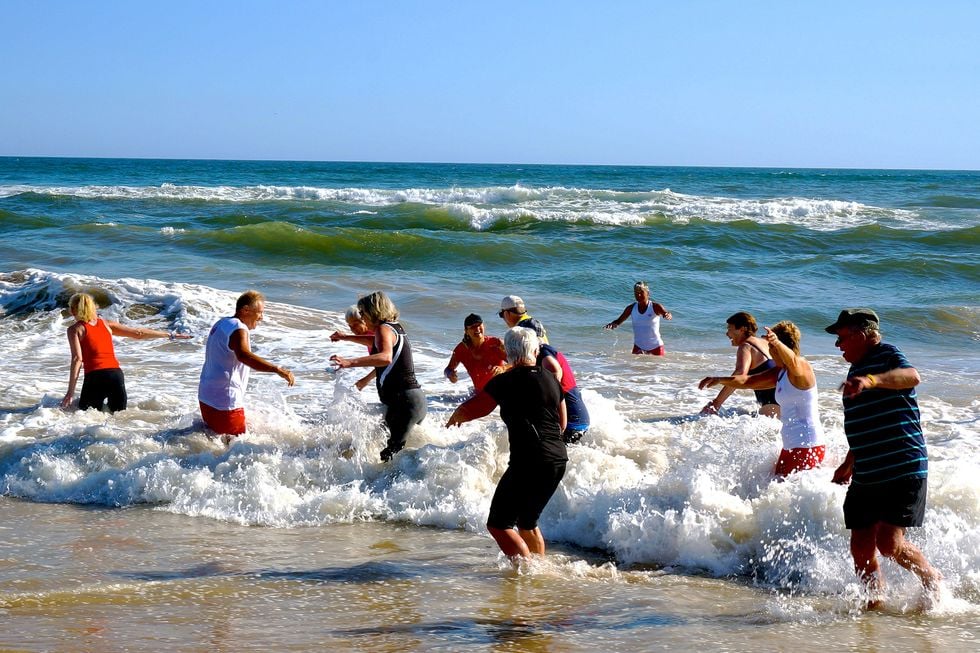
x=839 y=84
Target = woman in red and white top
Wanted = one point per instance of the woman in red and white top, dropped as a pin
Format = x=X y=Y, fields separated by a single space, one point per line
x=90 y=343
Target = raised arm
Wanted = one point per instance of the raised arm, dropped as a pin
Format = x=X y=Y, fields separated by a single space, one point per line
x=238 y=343
x=798 y=370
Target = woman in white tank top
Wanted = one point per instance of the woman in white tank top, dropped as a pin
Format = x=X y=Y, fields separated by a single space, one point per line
x=796 y=393
x=645 y=316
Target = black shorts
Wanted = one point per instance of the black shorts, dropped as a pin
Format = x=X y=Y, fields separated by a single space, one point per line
x=766 y=397
x=899 y=503
x=522 y=494
x=405 y=409
x=102 y=386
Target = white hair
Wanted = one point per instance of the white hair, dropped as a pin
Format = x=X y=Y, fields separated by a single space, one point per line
x=521 y=345
x=353 y=313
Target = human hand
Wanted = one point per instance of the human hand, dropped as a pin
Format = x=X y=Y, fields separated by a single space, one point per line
x=336 y=335
x=66 y=402
x=454 y=420
x=842 y=475
x=451 y=375
x=855 y=385
x=360 y=385
x=709 y=409
x=611 y=326
x=286 y=374
x=707 y=382
x=340 y=362
x=668 y=315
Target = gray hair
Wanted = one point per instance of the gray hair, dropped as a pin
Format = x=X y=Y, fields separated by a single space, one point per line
x=353 y=313
x=870 y=330
x=521 y=346
x=641 y=284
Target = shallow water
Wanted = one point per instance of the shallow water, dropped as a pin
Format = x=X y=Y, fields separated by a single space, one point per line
x=704 y=545
x=96 y=579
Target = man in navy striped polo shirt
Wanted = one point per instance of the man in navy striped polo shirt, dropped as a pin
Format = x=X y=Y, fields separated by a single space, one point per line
x=887 y=463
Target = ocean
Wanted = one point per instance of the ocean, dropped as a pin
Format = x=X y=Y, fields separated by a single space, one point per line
x=136 y=531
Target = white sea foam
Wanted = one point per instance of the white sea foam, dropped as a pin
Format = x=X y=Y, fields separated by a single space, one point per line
x=485 y=206
x=649 y=483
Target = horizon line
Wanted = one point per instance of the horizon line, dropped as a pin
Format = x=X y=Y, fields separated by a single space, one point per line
x=477 y=163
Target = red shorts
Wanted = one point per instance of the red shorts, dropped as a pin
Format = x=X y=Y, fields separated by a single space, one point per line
x=225 y=422
x=796 y=460
x=659 y=351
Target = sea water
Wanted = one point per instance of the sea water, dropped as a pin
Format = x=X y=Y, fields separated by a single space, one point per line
x=668 y=527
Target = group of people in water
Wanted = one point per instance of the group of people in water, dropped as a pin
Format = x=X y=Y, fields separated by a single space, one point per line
x=533 y=384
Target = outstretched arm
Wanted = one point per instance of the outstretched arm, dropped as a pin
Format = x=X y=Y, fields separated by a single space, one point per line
x=140 y=333
x=743 y=363
x=385 y=343
x=899 y=378
x=622 y=318
x=238 y=343
x=759 y=381
x=480 y=405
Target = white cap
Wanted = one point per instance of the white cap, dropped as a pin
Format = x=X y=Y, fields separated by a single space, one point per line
x=512 y=302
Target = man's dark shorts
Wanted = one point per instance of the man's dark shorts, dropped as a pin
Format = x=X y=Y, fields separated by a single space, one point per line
x=899 y=503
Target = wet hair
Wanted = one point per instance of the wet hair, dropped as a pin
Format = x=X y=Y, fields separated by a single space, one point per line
x=249 y=298
x=641 y=284
x=377 y=308
x=743 y=320
x=521 y=345
x=353 y=314
x=83 y=305
x=788 y=334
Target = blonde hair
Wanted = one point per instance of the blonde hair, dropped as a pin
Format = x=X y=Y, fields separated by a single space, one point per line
x=249 y=298
x=788 y=334
x=83 y=306
x=377 y=308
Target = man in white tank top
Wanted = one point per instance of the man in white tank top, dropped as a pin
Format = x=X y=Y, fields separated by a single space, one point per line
x=228 y=359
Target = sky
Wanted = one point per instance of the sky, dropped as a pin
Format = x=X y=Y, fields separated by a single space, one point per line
x=855 y=84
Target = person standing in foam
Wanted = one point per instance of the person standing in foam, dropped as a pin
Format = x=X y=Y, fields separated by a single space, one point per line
x=796 y=394
x=514 y=314
x=391 y=357
x=645 y=316
x=228 y=359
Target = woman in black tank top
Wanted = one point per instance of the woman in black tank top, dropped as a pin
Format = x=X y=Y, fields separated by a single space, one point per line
x=391 y=357
x=751 y=357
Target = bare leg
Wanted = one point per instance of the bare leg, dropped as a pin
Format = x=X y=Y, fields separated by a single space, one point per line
x=892 y=544
x=509 y=542
x=865 y=554
x=534 y=540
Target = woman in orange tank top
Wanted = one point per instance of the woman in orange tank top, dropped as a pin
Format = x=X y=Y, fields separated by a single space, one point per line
x=90 y=342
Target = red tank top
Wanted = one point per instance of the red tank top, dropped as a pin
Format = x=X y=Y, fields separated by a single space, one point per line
x=97 y=351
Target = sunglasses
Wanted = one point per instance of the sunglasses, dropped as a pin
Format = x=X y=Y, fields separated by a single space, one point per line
x=506 y=310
